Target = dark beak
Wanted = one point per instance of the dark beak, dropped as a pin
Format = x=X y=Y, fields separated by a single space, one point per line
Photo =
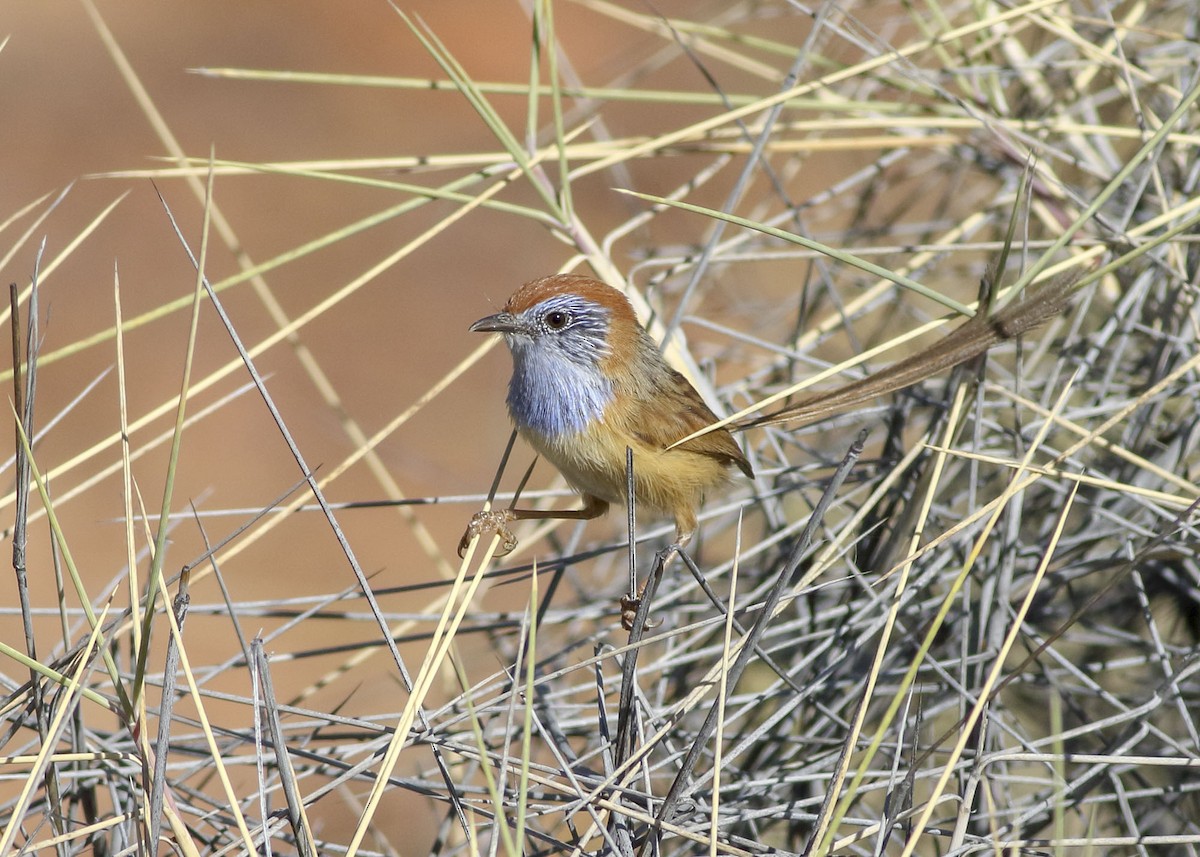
x=501 y=322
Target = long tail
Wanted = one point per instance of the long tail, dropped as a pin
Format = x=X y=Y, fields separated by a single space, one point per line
x=968 y=340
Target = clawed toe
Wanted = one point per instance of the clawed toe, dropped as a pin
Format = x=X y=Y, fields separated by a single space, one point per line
x=629 y=609
x=630 y=605
x=490 y=523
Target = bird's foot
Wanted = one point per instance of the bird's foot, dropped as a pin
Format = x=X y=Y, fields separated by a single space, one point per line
x=630 y=605
x=490 y=523
x=629 y=609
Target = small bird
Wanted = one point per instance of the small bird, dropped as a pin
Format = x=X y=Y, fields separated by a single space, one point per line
x=587 y=383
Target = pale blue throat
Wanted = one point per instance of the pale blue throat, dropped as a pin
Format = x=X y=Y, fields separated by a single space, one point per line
x=553 y=392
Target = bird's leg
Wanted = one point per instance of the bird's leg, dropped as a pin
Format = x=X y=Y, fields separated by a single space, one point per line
x=629 y=606
x=497 y=521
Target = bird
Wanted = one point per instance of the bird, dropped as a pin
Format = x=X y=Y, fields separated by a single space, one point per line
x=588 y=382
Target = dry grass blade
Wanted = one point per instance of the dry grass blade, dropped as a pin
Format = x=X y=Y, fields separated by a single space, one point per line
x=982 y=637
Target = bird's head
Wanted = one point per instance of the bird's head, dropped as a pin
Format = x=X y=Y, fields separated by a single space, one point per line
x=565 y=317
x=571 y=337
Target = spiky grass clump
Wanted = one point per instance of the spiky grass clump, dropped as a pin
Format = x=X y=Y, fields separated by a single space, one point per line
x=975 y=632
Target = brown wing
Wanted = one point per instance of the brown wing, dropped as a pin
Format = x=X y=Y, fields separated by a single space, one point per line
x=675 y=410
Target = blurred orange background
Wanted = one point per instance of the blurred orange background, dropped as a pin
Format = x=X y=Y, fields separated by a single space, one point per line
x=70 y=117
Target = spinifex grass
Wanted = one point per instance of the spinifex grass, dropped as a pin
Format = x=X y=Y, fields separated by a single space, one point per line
x=985 y=639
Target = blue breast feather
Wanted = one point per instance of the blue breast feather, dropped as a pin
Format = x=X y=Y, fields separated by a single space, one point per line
x=554 y=393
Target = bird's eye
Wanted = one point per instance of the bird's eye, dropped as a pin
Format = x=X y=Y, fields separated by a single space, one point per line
x=557 y=319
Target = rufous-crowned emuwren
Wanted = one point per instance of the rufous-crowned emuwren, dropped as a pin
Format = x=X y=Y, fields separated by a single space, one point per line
x=589 y=382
